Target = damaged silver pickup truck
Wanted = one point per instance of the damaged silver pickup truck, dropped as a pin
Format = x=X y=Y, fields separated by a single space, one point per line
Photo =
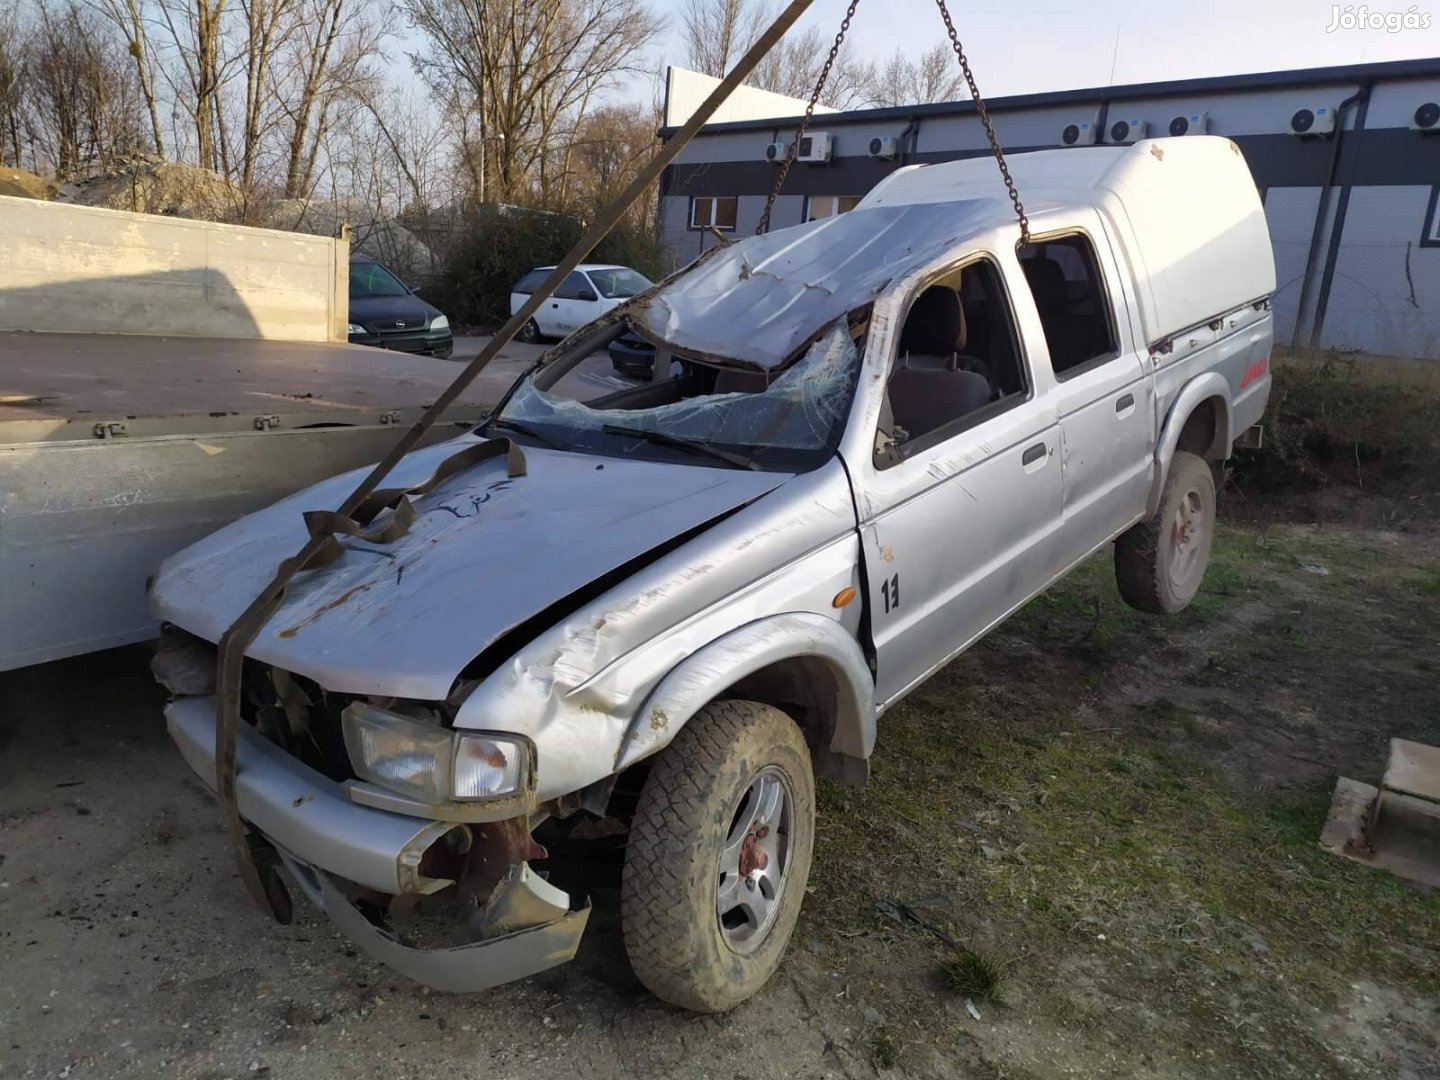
x=674 y=606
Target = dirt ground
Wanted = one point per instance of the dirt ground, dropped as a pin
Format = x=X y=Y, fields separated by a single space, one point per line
x=1097 y=828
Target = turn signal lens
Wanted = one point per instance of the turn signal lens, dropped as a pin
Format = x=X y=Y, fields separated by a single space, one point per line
x=844 y=596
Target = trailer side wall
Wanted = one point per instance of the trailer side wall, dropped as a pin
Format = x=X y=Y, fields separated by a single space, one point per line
x=79 y=269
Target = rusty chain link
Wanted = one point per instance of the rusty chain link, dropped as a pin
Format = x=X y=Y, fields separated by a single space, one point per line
x=794 y=147
x=984 y=115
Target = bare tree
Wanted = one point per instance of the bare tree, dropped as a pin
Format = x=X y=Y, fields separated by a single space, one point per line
x=900 y=80
x=83 y=104
x=12 y=90
x=525 y=71
x=717 y=32
x=793 y=68
x=196 y=30
x=128 y=17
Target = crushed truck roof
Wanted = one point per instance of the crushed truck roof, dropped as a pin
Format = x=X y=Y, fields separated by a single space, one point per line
x=1184 y=211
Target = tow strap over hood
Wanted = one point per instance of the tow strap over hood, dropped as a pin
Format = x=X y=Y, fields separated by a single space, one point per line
x=482 y=552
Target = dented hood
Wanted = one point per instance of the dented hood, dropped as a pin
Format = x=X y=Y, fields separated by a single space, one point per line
x=759 y=300
x=485 y=553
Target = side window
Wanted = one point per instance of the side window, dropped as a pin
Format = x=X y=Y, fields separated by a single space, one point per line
x=957 y=362
x=823 y=206
x=1430 y=236
x=717 y=211
x=531 y=281
x=575 y=287
x=1070 y=295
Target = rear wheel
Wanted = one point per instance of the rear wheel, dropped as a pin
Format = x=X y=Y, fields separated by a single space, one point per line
x=530 y=333
x=1160 y=562
x=718 y=857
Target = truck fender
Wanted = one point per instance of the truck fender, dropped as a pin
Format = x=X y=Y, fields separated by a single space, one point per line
x=709 y=671
x=1202 y=388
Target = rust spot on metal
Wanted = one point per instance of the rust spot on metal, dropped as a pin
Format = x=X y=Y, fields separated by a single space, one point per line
x=887 y=553
x=658 y=720
x=1159 y=154
x=342 y=599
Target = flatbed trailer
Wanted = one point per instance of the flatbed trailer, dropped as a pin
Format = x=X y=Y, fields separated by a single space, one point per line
x=117 y=450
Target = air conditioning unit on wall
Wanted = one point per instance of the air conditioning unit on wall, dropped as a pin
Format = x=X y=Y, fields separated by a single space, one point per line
x=775 y=152
x=1426 y=119
x=1192 y=124
x=885 y=149
x=1128 y=131
x=815 y=146
x=1312 y=123
x=1080 y=133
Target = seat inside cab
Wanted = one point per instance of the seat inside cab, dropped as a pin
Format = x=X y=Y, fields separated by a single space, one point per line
x=956 y=355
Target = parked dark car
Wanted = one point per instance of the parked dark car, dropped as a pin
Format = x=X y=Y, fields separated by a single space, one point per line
x=632 y=355
x=387 y=313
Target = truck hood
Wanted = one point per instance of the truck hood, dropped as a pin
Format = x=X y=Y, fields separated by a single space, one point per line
x=485 y=553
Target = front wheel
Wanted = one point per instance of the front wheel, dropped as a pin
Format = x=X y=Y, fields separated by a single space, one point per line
x=1160 y=562
x=530 y=333
x=718 y=857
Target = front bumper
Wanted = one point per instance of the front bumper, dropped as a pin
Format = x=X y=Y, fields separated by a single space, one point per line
x=439 y=344
x=322 y=837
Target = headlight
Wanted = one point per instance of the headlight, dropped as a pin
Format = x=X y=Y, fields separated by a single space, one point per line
x=439 y=322
x=356 y=328
x=429 y=763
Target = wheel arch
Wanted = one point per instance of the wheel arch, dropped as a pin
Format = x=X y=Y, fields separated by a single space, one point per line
x=802 y=663
x=1199 y=422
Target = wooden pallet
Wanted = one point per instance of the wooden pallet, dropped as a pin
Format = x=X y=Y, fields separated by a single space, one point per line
x=1395 y=826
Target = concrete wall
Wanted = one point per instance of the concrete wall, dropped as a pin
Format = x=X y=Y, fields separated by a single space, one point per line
x=79 y=269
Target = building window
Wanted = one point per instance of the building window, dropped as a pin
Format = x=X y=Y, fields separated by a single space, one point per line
x=1431 y=236
x=822 y=206
x=714 y=212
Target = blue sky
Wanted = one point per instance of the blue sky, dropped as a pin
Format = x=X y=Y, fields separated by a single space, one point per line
x=1018 y=48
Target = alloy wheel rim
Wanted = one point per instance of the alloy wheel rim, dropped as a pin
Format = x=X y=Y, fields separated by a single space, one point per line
x=754 y=859
x=1189 y=529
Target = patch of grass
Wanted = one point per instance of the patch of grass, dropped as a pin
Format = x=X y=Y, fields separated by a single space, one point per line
x=1357 y=421
x=974 y=976
x=884 y=1049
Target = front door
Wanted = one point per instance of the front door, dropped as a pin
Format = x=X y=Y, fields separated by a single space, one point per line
x=961 y=506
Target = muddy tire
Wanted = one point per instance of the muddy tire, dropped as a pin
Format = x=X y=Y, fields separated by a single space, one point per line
x=1160 y=562
x=718 y=856
x=530 y=333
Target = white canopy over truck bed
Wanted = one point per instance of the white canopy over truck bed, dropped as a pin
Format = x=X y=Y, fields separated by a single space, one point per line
x=118 y=450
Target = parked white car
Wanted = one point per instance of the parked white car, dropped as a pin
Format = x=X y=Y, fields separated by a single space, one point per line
x=590 y=291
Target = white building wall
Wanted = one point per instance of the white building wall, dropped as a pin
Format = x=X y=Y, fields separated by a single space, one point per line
x=1386 y=293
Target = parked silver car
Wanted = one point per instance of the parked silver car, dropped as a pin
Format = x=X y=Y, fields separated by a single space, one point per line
x=674 y=606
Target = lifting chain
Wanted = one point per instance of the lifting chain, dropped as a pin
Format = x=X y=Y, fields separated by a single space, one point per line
x=980 y=110
x=794 y=147
x=984 y=115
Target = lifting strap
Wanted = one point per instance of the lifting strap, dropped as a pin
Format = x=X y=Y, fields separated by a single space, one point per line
x=794 y=148
x=243 y=631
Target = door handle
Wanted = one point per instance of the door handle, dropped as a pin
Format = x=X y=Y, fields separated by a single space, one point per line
x=1033 y=454
x=555 y=305
x=1123 y=402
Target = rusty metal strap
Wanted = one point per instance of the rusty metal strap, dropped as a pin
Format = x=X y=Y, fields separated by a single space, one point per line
x=243 y=631
x=321 y=548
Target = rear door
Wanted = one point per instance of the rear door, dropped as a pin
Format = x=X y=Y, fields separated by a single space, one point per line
x=1103 y=387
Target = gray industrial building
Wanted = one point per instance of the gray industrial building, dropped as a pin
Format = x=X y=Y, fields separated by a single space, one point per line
x=1352 y=210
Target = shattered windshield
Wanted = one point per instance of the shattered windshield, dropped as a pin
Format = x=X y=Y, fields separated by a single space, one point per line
x=790 y=419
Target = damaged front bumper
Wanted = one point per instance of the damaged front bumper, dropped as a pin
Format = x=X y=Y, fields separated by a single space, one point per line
x=324 y=839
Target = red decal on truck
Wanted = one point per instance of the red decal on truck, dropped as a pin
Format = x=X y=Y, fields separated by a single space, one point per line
x=1255 y=371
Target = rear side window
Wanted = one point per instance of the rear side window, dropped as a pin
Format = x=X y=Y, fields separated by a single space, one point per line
x=1070 y=295
x=531 y=281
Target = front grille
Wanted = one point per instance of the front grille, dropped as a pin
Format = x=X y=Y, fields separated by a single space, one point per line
x=309 y=729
